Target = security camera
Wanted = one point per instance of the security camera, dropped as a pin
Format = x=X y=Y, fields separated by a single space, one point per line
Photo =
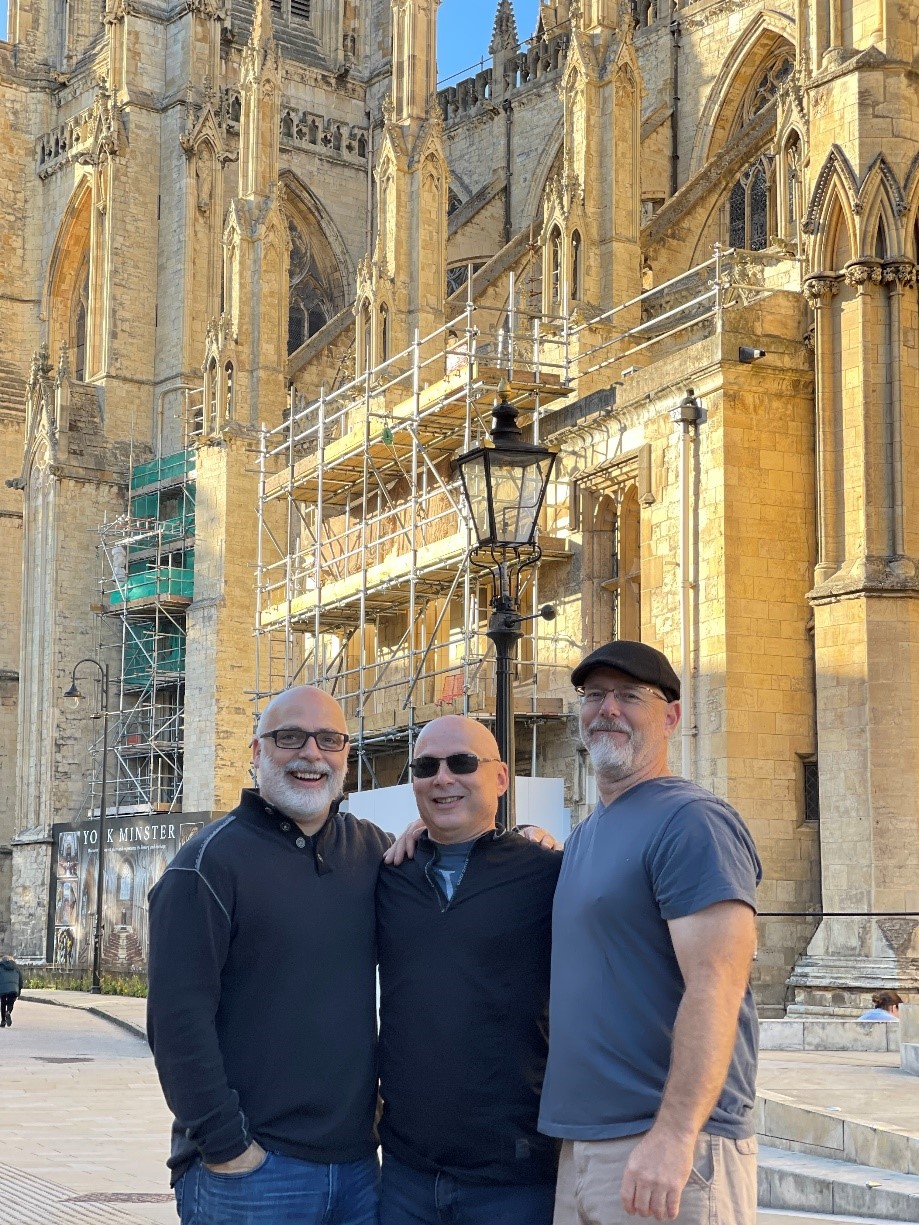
x=748 y=355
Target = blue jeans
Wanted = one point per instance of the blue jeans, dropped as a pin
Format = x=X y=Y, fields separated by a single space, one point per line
x=409 y=1197
x=282 y=1191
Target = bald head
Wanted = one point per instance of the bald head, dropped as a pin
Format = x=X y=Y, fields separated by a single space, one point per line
x=455 y=806
x=451 y=729
x=291 y=707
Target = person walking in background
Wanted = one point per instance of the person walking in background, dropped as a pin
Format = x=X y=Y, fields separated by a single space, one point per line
x=10 y=989
x=885 y=1007
x=650 y=1082
x=464 y=933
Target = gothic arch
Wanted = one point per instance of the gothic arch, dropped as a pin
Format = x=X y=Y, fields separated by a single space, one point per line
x=766 y=37
x=837 y=240
x=881 y=203
x=302 y=202
x=790 y=182
x=316 y=277
x=836 y=188
x=911 y=200
x=67 y=266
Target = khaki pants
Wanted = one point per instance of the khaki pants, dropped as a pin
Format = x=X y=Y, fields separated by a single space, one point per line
x=721 y=1188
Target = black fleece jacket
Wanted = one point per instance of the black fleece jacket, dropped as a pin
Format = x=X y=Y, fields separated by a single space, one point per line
x=464 y=994
x=261 y=1010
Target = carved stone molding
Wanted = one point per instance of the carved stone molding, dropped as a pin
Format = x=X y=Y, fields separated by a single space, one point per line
x=900 y=272
x=862 y=272
x=820 y=287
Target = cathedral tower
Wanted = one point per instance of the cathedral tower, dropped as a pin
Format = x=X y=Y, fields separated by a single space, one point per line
x=401 y=284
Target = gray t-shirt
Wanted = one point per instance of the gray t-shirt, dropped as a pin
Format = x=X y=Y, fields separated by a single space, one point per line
x=663 y=850
x=450 y=863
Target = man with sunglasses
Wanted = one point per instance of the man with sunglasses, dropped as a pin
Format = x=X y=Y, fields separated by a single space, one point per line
x=652 y=1063
x=262 y=1008
x=464 y=934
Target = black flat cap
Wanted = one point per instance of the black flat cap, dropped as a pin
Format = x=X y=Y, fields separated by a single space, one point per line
x=634 y=659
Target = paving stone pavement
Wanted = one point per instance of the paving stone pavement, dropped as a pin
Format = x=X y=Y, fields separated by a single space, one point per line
x=869 y=1086
x=89 y=1128
x=85 y=1129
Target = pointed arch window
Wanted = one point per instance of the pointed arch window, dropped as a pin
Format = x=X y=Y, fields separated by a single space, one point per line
x=792 y=184
x=210 y=389
x=78 y=334
x=748 y=210
x=229 y=388
x=576 y=261
x=310 y=299
x=365 y=337
x=555 y=264
x=384 y=333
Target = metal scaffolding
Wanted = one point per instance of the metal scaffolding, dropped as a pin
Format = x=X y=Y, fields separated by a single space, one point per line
x=366 y=580
x=147 y=584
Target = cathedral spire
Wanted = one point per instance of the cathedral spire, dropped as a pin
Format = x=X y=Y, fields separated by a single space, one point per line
x=262 y=29
x=504 y=36
x=414 y=62
x=260 y=87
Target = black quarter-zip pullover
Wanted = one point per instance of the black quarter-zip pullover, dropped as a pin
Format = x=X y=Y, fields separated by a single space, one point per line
x=464 y=991
x=262 y=1012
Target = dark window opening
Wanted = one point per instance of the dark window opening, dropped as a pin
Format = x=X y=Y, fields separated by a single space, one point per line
x=811 y=790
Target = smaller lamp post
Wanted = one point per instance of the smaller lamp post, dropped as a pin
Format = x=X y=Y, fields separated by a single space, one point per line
x=504 y=482
x=74 y=694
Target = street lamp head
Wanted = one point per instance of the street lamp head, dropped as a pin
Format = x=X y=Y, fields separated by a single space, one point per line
x=73 y=694
x=505 y=481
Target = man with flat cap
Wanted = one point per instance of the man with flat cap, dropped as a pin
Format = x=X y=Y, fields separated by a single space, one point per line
x=651 y=1075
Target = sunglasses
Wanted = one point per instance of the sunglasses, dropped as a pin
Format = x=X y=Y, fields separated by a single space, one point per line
x=457 y=763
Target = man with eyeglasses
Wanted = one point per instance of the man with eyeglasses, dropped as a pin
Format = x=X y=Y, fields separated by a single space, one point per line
x=651 y=1075
x=262 y=1002
x=464 y=934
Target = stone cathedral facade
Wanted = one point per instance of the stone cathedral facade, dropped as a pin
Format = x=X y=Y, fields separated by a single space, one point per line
x=702 y=220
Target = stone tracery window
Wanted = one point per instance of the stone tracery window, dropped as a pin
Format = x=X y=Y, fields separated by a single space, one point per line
x=766 y=85
x=309 y=304
x=748 y=209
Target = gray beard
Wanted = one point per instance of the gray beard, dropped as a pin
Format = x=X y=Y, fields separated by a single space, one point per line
x=612 y=760
x=279 y=790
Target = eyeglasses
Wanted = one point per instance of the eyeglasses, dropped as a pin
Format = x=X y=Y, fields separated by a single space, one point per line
x=623 y=695
x=295 y=738
x=457 y=763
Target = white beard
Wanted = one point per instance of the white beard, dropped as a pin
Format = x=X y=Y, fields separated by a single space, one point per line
x=277 y=789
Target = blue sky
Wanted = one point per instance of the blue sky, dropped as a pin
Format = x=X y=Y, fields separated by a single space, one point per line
x=465 y=30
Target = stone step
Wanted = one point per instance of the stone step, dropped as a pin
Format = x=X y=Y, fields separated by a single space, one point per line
x=789 y=1126
x=801 y=1182
x=782 y=1216
x=830 y=1034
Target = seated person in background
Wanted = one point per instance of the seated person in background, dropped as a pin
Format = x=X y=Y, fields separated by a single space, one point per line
x=886 y=1007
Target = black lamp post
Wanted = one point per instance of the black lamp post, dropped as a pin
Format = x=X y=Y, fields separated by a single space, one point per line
x=74 y=694
x=505 y=484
